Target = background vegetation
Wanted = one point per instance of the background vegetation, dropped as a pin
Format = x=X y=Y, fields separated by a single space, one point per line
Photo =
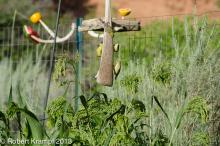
x=166 y=94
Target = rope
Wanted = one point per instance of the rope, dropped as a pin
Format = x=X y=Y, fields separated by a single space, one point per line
x=52 y=58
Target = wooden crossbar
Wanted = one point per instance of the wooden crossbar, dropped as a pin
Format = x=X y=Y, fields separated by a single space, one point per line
x=118 y=25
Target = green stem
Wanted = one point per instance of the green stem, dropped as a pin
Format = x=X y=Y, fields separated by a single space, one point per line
x=12 y=42
x=173 y=133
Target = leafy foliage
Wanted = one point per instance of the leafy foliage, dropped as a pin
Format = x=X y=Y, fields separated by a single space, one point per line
x=101 y=121
x=200 y=138
x=27 y=123
x=131 y=83
x=162 y=73
x=58 y=110
x=64 y=66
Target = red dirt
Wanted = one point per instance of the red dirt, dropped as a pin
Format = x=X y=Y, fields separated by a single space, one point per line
x=146 y=8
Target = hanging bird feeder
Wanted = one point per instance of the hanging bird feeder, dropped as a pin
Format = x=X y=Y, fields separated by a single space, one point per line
x=107 y=26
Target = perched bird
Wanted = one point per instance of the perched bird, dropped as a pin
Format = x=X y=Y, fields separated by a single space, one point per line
x=116 y=47
x=124 y=12
x=117 y=69
x=99 y=50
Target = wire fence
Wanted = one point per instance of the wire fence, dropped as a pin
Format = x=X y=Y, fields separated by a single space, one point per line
x=16 y=47
x=14 y=44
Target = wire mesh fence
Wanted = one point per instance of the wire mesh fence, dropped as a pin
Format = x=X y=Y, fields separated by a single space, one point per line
x=25 y=63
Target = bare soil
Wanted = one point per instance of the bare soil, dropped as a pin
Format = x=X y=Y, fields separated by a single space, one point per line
x=148 y=8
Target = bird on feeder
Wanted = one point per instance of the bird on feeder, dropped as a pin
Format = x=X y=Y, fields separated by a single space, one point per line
x=117 y=69
x=107 y=25
x=124 y=12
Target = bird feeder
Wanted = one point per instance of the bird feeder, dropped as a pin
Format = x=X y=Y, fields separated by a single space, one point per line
x=107 y=26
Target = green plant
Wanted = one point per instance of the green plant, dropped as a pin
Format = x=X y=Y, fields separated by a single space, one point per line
x=100 y=121
x=184 y=77
x=64 y=67
x=200 y=138
x=17 y=119
x=131 y=83
x=198 y=106
x=162 y=73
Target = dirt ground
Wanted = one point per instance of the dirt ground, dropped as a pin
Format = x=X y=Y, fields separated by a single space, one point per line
x=147 y=8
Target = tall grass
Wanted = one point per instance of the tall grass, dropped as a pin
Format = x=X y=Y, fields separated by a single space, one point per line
x=191 y=71
x=176 y=78
x=28 y=78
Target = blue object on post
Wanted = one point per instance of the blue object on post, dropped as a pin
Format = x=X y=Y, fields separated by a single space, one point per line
x=79 y=46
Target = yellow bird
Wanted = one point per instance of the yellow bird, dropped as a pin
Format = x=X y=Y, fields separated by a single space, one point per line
x=117 y=69
x=99 y=50
x=124 y=12
x=116 y=47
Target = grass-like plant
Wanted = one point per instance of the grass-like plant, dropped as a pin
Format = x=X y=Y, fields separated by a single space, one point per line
x=185 y=82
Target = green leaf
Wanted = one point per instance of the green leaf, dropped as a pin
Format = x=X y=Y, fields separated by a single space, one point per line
x=10 y=98
x=36 y=128
x=98 y=95
x=27 y=131
x=20 y=98
x=121 y=110
x=162 y=109
x=19 y=123
x=138 y=105
x=83 y=101
x=179 y=117
x=108 y=140
x=3 y=118
x=12 y=109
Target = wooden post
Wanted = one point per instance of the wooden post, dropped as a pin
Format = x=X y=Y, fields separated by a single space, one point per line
x=105 y=72
x=79 y=43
